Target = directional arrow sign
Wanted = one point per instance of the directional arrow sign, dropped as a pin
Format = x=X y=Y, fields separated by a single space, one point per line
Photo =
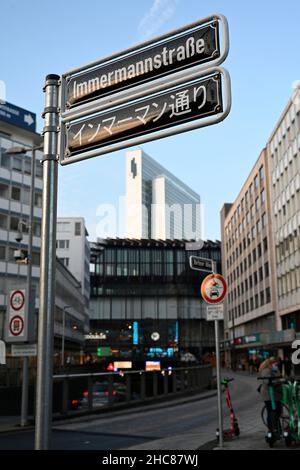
x=201 y=264
x=28 y=119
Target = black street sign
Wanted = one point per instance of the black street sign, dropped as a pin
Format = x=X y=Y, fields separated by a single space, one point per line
x=194 y=46
x=178 y=105
x=201 y=264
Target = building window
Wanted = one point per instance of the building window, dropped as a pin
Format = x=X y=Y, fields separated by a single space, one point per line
x=14 y=224
x=262 y=298
x=4 y=191
x=268 y=295
x=6 y=161
x=3 y=221
x=15 y=193
x=259 y=251
x=263 y=196
x=77 y=229
x=38 y=200
x=17 y=164
x=2 y=253
x=267 y=272
x=265 y=244
x=261 y=172
x=38 y=170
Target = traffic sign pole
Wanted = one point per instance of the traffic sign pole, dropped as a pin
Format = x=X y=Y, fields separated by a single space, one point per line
x=47 y=269
x=208 y=298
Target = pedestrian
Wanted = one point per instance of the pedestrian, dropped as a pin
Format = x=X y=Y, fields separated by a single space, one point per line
x=269 y=368
x=287 y=366
x=251 y=365
x=257 y=364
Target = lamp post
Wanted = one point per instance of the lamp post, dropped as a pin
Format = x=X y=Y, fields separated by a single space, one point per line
x=66 y=307
x=25 y=383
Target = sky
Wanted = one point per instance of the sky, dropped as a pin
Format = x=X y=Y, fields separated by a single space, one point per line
x=39 y=37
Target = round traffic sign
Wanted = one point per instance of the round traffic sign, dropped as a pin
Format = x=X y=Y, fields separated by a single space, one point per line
x=213 y=288
x=17 y=300
x=16 y=325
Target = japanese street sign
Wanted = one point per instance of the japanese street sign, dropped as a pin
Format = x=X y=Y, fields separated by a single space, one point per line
x=201 y=264
x=213 y=288
x=22 y=350
x=195 y=44
x=215 y=312
x=162 y=114
x=20 y=317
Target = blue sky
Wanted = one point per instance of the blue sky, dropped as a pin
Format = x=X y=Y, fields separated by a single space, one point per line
x=38 y=37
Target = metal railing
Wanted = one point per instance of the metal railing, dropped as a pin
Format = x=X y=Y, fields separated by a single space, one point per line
x=86 y=393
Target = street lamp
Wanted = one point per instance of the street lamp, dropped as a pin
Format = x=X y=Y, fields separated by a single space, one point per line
x=25 y=384
x=66 y=307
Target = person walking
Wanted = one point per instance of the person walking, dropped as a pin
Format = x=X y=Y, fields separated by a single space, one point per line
x=267 y=369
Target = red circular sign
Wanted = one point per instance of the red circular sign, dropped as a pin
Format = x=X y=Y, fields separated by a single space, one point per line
x=17 y=300
x=213 y=288
x=16 y=325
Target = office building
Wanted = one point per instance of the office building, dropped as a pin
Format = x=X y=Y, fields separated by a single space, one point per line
x=158 y=205
x=284 y=161
x=248 y=263
x=146 y=301
x=73 y=249
x=18 y=129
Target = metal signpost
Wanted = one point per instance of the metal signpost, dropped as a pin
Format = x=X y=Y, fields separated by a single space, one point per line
x=213 y=290
x=140 y=94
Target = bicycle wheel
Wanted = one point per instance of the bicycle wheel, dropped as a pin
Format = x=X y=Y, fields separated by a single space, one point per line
x=264 y=415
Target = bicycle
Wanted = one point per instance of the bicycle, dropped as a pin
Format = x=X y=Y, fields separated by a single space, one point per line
x=275 y=422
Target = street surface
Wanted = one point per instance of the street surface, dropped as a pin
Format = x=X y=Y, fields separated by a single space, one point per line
x=183 y=427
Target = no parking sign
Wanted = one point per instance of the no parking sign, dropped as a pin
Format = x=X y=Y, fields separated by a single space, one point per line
x=20 y=317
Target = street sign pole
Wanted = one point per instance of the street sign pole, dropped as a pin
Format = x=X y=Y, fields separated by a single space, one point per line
x=30 y=302
x=218 y=373
x=47 y=267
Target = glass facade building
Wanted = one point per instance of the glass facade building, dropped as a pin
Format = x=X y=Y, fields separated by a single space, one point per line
x=145 y=298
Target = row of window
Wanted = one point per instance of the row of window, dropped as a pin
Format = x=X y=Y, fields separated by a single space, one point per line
x=63 y=244
x=252 y=281
x=20 y=164
x=10 y=222
x=257 y=181
x=259 y=300
x=19 y=194
x=7 y=254
x=250 y=259
x=255 y=230
x=66 y=227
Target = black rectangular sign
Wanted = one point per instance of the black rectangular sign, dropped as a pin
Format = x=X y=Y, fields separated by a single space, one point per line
x=178 y=105
x=201 y=264
x=193 y=47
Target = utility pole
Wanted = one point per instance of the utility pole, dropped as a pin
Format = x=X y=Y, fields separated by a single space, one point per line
x=47 y=267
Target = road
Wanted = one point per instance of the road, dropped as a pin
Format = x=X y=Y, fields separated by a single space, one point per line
x=185 y=426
